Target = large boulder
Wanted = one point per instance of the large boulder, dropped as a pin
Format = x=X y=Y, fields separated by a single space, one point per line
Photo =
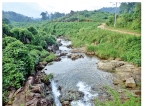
x=116 y=81
x=66 y=103
x=130 y=83
x=90 y=53
x=125 y=68
x=109 y=65
x=19 y=99
x=57 y=59
x=78 y=50
x=50 y=98
x=59 y=42
x=75 y=56
x=127 y=71
x=49 y=49
x=41 y=65
x=69 y=46
x=136 y=92
x=71 y=95
x=55 y=47
x=123 y=75
x=33 y=93
x=63 y=54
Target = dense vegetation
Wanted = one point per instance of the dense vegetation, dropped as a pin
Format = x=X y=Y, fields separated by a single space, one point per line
x=46 y=16
x=84 y=16
x=22 y=49
x=129 y=17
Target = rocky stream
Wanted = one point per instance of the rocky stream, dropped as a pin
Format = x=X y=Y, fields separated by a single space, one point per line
x=78 y=78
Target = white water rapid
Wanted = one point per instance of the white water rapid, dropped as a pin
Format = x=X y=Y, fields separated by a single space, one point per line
x=56 y=93
x=86 y=101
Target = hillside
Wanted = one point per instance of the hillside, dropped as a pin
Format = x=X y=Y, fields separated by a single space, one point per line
x=100 y=15
x=84 y=16
x=110 y=9
x=13 y=16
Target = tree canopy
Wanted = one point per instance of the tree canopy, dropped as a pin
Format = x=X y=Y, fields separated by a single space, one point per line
x=129 y=17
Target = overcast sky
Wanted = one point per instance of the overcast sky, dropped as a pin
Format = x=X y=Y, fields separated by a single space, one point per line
x=33 y=9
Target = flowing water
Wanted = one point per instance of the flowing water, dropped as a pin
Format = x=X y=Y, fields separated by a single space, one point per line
x=79 y=75
x=56 y=93
x=86 y=101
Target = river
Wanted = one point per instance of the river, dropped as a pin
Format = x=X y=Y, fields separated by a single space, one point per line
x=78 y=75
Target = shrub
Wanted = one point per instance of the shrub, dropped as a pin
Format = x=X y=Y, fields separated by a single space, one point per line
x=17 y=64
x=5 y=30
x=48 y=77
x=50 y=57
x=32 y=30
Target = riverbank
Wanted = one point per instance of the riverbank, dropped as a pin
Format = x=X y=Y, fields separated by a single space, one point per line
x=126 y=80
x=36 y=91
x=104 y=43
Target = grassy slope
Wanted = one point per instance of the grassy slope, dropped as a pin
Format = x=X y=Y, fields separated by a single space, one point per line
x=85 y=16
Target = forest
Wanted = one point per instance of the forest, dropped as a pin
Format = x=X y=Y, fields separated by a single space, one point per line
x=25 y=40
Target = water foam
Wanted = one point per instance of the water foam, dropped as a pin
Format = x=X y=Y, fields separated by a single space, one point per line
x=86 y=101
x=56 y=93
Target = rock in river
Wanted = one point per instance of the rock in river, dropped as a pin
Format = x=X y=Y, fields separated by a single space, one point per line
x=130 y=83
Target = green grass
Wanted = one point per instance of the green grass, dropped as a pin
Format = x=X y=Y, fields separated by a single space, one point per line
x=48 y=77
x=131 y=101
x=49 y=58
x=104 y=43
x=110 y=44
x=124 y=29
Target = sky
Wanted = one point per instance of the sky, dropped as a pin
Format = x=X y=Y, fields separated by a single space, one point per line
x=34 y=9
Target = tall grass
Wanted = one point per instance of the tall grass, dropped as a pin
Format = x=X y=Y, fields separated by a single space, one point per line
x=116 y=101
x=108 y=44
x=104 y=43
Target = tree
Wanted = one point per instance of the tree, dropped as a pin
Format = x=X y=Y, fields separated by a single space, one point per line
x=5 y=30
x=32 y=30
x=44 y=15
x=127 y=7
x=71 y=12
x=6 y=21
x=130 y=16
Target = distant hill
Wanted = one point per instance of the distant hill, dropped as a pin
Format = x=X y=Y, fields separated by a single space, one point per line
x=12 y=16
x=110 y=9
x=84 y=16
